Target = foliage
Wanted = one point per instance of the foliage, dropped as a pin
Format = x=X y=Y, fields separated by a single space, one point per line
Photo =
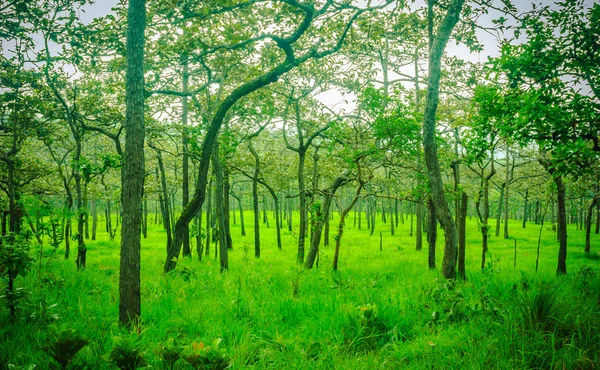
x=206 y=357
x=15 y=259
x=127 y=353
x=169 y=352
x=63 y=343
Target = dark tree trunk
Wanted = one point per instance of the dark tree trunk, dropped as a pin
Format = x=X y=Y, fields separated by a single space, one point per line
x=219 y=196
x=166 y=207
x=241 y=209
x=209 y=220
x=94 y=211
x=436 y=185
x=588 y=223
x=500 y=207
x=462 y=230
x=145 y=219
x=226 y=208
x=255 y=202
x=506 y=195
x=133 y=167
x=431 y=232
x=597 y=219
x=562 y=227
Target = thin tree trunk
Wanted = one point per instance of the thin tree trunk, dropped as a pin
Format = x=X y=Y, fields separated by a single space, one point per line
x=94 y=217
x=562 y=227
x=219 y=193
x=588 y=223
x=525 y=201
x=506 y=196
x=431 y=232
x=255 y=201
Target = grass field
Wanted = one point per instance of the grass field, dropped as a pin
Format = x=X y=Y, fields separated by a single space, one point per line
x=383 y=309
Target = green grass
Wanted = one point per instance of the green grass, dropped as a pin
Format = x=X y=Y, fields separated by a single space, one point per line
x=504 y=317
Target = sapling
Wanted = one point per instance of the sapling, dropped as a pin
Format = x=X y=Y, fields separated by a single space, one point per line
x=14 y=261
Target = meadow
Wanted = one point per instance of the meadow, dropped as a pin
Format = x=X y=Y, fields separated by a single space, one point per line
x=384 y=309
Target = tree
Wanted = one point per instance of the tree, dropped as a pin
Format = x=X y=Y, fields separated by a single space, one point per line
x=294 y=53
x=132 y=180
x=431 y=157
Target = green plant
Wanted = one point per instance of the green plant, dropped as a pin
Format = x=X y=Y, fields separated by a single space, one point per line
x=126 y=353
x=206 y=357
x=169 y=352
x=63 y=344
x=539 y=308
x=15 y=260
x=367 y=331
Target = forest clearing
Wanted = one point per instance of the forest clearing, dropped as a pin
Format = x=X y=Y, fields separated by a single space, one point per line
x=299 y=184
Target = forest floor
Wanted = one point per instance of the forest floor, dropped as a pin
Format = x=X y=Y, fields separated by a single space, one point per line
x=383 y=309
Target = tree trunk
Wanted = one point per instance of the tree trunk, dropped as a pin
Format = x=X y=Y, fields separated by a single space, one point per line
x=344 y=212
x=324 y=212
x=133 y=167
x=145 y=219
x=597 y=219
x=255 y=202
x=164 y=196
x=462 y=231
x=588 y=223
x=185 y=177
x=94 y=217
x=562 y=227
x=429 y=133
x=219 y=196
x=303 y=209
x=241 y=209
x=500 y=207
x=431 y=232
x=506 y=195
x=525 y=201
x=209 y=220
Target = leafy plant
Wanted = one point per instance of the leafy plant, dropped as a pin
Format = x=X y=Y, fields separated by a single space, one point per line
x=169 y=352
x=368 y=332
x=126 y=353
x=63 y=344
x=206 y=357
x=14 y=261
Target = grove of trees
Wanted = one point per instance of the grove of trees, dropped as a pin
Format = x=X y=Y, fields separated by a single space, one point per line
x=310 y=113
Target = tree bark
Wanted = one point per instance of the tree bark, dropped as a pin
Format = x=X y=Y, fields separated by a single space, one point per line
x=219 y=196
x=431 y=233
x=429 y=133
x=588 y=223
x=562 y=226
x=255 y=201
x=506 y=195
x=133 y=167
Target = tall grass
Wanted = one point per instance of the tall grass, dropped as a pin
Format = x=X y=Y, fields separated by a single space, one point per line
x=271 y=314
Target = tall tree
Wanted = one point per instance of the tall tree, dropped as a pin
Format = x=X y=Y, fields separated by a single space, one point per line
x=436 y=185
x=132 y=181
